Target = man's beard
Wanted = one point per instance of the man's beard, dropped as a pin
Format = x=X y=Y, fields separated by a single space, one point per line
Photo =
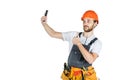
x=88 y=29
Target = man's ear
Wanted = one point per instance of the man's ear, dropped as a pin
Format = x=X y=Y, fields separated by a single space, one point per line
x=95 y=24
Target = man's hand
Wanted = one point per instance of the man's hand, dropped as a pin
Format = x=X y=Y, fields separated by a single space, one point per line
x=76 y=40
x=43 y=19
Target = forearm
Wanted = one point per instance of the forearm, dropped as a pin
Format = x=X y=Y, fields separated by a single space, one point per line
x=87 y=55
x=48 y=29
x=51 y=31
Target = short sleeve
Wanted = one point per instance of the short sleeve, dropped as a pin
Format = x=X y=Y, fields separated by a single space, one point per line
x=96 y=48
x=67 y=36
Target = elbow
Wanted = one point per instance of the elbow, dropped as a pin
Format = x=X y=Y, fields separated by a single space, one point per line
x=92 y=59
x=56 y=35
x=90 y=62
x=53 y=35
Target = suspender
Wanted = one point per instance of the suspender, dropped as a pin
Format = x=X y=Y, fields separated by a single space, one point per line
x=92 y=41
x=80 y=34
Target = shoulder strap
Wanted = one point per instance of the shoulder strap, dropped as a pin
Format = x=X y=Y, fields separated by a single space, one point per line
x=80 y=34
x=92 y=41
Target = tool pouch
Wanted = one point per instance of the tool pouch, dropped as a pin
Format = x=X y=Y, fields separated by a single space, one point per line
x=66 y=73
x=90 y=74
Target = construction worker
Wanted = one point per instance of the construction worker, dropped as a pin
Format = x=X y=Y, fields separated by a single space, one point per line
x=84 y=48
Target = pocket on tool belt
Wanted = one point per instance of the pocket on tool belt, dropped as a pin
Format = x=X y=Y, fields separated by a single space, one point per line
x=90 y=74
x=65 y=75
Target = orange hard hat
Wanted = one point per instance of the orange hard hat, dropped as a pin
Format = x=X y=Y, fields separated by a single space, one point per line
x=90 y=14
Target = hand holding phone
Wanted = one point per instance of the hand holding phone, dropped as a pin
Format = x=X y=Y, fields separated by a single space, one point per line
x=46 y=12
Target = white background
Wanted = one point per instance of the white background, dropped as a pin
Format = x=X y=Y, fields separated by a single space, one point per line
x=28 y=53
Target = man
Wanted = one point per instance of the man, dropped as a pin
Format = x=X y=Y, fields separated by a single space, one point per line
x=84 y=48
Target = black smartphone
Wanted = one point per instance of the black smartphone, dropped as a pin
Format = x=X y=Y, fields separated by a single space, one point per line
x=46 y=12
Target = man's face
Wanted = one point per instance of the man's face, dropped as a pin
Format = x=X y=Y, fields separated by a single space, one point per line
x=88 y=24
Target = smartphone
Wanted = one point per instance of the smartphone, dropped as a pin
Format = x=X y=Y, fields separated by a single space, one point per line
x=46 y=12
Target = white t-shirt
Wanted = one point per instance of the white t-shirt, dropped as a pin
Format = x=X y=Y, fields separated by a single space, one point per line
x=95 y=47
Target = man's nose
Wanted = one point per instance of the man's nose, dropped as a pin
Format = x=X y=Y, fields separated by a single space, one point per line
x=85 y=23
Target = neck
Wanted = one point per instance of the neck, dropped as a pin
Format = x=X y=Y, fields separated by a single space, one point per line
x=88 y=34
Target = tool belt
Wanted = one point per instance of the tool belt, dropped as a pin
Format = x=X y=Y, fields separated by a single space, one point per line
x=73 y=73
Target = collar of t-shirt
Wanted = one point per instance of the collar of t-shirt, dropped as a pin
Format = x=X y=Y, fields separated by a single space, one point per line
x=86 y=40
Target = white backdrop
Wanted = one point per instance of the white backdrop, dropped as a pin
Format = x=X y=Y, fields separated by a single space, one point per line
x=28 y=53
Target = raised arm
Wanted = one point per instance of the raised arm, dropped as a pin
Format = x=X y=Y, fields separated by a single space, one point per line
x=49 y=30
